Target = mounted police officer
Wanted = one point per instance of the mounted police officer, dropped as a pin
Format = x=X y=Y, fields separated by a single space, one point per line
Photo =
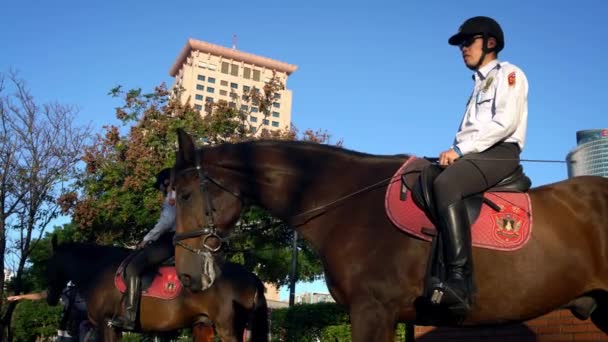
x=485 y=150
x=156 y=247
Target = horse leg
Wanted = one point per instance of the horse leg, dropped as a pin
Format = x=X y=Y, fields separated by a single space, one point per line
x=108 y=334
x=371 y=321
x=599 y=316
x=202 y=333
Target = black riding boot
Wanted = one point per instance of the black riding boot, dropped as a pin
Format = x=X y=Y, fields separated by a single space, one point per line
x=130 y=307
x=455 y=232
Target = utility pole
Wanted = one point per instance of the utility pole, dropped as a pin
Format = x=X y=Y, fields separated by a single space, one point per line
x=294 y=270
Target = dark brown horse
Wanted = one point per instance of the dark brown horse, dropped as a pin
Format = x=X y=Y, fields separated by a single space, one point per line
x=235 y=299
x=371 y=267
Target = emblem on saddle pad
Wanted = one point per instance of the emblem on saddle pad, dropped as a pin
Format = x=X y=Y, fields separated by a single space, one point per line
x=507 y=223
x=170 y=287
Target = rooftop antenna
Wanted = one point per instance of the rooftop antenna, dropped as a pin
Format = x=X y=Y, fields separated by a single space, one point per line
x=234 y=42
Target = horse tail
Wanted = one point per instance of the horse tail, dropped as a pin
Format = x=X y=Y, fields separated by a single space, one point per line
x=259 y=323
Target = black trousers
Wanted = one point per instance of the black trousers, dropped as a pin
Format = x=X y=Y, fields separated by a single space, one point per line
x=475 y=173
x=151 y=255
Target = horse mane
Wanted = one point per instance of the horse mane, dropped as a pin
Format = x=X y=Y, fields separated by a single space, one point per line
x=335 y=152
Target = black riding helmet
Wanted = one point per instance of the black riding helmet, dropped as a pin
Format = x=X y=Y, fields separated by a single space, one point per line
x=485 y=26
x=161 y=177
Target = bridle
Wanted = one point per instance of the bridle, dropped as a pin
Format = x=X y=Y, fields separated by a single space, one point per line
x=209 y=231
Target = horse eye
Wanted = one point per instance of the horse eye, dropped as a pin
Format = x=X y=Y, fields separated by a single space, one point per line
x=185 y=197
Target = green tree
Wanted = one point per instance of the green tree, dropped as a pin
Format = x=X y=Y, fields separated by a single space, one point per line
x=117 y=203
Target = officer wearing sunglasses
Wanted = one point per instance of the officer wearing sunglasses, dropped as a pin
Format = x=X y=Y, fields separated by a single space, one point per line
x=485 y=150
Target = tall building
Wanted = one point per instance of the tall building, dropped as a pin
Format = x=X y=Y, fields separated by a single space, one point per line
x=590 y=156
x=209 y=73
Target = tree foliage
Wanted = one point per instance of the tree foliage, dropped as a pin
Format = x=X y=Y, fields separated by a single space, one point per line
x=117 y=203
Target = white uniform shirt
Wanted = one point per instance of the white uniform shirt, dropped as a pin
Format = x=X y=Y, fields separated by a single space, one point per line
x=166 y=222
x=497 y=110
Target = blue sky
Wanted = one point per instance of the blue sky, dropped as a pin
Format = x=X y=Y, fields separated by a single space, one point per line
x=379 y=75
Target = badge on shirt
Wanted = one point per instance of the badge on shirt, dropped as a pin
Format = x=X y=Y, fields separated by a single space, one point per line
x=488 y=84
x=511 y=79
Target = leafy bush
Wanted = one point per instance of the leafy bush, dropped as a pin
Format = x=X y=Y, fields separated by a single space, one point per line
x=35 y=319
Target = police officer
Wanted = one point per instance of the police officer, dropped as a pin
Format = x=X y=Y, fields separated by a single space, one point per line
x=485 y=150
x=156 y=247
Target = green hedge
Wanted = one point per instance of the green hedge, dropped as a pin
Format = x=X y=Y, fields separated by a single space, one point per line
x=309 y=322
x=35 y=319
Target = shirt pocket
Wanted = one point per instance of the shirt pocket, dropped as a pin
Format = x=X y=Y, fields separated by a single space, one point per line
x=483 y=105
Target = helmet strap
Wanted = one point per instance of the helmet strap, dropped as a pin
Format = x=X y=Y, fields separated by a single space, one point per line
x=484 y=52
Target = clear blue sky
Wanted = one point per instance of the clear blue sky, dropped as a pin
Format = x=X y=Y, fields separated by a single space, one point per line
x=379 y=75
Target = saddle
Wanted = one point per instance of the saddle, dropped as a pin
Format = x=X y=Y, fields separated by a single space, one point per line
x=161 y=282
x=419 y=176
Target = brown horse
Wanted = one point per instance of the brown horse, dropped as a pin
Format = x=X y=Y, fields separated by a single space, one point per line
x=235 y=299
x=371 y=267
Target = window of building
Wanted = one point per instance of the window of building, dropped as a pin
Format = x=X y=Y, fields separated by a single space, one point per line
x=223 y=92
x=265 y=121
x=198 y=107
x=224 y=83
x=198 y=97
x=245 y=107
x=211 y=80
x=200 y=77
x=210 y=90
x=256 y=75
x=233 y=95
x=234 y=85
x=253 y=118
x=246 y=73
x=275 y=114
x=211 y=66
x=275 y=124
x=276 y=105
x=209 y=99
x=234 y=70
x=254 y=109
x=246 y=89
x=200 y=87
x=277 y=96
x=232 y=105
x=225 y=67
x=255 y=102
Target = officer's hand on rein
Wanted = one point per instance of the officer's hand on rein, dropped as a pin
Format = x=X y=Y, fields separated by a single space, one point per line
x=447 y=158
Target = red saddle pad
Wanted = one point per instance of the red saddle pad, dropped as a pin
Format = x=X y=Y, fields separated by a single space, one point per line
x=507 y=230
x=165 y=285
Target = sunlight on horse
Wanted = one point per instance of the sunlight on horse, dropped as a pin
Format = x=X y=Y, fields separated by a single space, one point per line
x=378 y=271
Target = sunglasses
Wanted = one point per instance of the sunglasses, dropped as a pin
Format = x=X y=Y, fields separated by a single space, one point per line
x=469 y=41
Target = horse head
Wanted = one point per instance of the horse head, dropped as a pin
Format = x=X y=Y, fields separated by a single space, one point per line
x=206 y=210
x=56 y=275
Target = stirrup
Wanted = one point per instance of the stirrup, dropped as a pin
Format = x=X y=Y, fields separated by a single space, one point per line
x=121 y=323
x=443 y=290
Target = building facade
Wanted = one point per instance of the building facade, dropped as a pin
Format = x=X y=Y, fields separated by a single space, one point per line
x=313 y=298
x=208 y=73
x=590 y=156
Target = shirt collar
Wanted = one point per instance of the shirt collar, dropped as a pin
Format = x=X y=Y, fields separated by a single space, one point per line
x=483 y=72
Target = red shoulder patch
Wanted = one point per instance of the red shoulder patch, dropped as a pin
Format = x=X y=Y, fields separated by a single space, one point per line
x=511 y=78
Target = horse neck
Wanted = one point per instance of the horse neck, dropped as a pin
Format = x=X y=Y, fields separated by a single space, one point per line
x=289 y=179
x=85 y=268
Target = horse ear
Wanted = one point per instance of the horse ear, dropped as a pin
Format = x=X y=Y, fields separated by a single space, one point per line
x=54 y=242
x=185 y=153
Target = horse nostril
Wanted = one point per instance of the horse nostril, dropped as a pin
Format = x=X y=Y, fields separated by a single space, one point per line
x=186 y=280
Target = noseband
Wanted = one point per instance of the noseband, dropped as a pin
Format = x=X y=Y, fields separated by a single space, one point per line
x=209 y=231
